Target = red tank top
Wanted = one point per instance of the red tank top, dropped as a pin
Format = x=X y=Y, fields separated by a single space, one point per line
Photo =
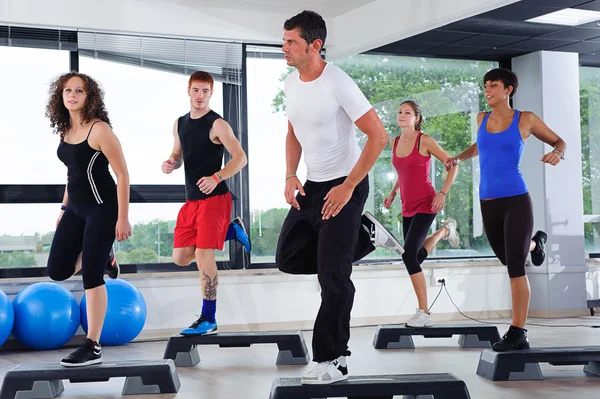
x=416 y=189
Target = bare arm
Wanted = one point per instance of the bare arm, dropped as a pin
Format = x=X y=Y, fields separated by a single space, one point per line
x=377 y=138
x=433 y=148
x=176 y=153
x=293 y=151
x=110 y=146
x=396 y=187
x=65 y=200
x=543 y=133
x=387 y=201
x=224 y=134
x=469 y=152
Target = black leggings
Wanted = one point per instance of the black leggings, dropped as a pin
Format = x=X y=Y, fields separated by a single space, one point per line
x=88 y=230
x=415 y=229
x=508 y=224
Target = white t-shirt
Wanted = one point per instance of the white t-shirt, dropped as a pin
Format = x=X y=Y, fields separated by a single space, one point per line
x=322 y=113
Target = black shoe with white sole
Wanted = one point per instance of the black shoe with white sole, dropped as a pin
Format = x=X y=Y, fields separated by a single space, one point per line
x=87 y=354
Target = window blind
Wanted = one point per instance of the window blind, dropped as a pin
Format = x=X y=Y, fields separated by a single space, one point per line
x=223 y=60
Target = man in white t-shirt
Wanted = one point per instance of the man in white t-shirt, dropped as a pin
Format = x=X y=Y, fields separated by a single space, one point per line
x=324 y=231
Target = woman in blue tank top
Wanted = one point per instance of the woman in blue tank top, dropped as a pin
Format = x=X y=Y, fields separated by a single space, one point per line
x=506 y=207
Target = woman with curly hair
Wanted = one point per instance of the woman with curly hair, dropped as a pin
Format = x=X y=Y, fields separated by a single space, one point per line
x=94 y=211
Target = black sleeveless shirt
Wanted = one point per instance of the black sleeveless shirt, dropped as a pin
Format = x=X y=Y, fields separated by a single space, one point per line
x=89 y=181
x=201 y=157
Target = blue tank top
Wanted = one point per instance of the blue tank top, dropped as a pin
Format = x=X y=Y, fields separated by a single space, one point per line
x=499 y=161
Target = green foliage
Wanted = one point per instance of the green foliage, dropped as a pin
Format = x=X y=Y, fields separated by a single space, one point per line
x=589 y=89
x=450 y=95
x=145 y=235
x=17 y=259
x=141 y=255
x=264 y=231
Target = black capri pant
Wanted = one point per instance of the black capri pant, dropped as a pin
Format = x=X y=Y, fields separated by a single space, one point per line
x=508 y=224
x=415 y=229
x=88 y=230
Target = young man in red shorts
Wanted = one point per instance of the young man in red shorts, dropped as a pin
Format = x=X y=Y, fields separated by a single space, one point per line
x=200 y=137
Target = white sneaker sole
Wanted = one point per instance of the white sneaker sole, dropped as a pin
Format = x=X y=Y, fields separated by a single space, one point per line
x=426 y=324
x=389 y=235
x=88 y=363
x=323 y=382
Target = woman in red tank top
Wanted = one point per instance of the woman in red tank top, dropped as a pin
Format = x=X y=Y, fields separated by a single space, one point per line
x=411 y=157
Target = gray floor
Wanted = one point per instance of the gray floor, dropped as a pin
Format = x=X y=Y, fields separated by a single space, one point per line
x=249 y=372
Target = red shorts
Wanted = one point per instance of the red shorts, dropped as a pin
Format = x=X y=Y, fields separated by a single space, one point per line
x=203 y=223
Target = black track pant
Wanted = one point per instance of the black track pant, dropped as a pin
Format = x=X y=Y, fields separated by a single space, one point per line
x=309 y=245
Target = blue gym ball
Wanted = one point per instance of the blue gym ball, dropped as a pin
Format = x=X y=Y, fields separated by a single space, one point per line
x=125 y=313
x=46 y=316
x=7 y=317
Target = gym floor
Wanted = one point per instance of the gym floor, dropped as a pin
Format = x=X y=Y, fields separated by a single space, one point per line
x=249 y=372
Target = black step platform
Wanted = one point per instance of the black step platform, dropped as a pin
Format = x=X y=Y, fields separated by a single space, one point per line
x=45 y=381
x=398 y=336
x=523 y=364
x=292 y=348
x=440 y=386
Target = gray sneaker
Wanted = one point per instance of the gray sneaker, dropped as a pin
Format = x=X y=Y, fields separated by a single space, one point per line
x=380 y=236
x=452 y=236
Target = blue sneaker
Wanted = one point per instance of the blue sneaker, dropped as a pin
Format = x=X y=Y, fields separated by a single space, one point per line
x=240 y=233
x=201 y=327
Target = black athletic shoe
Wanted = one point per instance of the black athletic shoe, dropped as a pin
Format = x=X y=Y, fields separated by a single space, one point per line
x=112 y=267
x=514 y=339
x=538 y=255
x=87 y=354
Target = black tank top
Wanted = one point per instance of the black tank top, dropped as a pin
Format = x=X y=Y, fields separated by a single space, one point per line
x=201 y=157
x=89 y=181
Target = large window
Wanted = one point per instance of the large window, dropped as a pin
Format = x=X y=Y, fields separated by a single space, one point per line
x=28 y=150
x=143 y=104
x=267 y=129
x=450 y=95
x=589 y=86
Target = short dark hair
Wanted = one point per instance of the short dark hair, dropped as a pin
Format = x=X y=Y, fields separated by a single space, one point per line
x=312 y=26
x=506 y=76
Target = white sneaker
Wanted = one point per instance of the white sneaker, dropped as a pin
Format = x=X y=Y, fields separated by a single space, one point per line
x=419 y=319
x=327 y=372
x=452 y=236
x=380 y=236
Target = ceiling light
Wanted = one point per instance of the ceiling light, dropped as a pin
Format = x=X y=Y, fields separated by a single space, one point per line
x=568 y=16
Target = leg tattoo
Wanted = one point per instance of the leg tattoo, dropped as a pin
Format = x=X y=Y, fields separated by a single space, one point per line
x=210 y=286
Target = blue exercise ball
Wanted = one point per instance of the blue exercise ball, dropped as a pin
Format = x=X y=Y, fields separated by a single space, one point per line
x=7 y=317
x=125 y=313
x=46 y=316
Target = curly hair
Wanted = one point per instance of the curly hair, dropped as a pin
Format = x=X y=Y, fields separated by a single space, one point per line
x=60 y=120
